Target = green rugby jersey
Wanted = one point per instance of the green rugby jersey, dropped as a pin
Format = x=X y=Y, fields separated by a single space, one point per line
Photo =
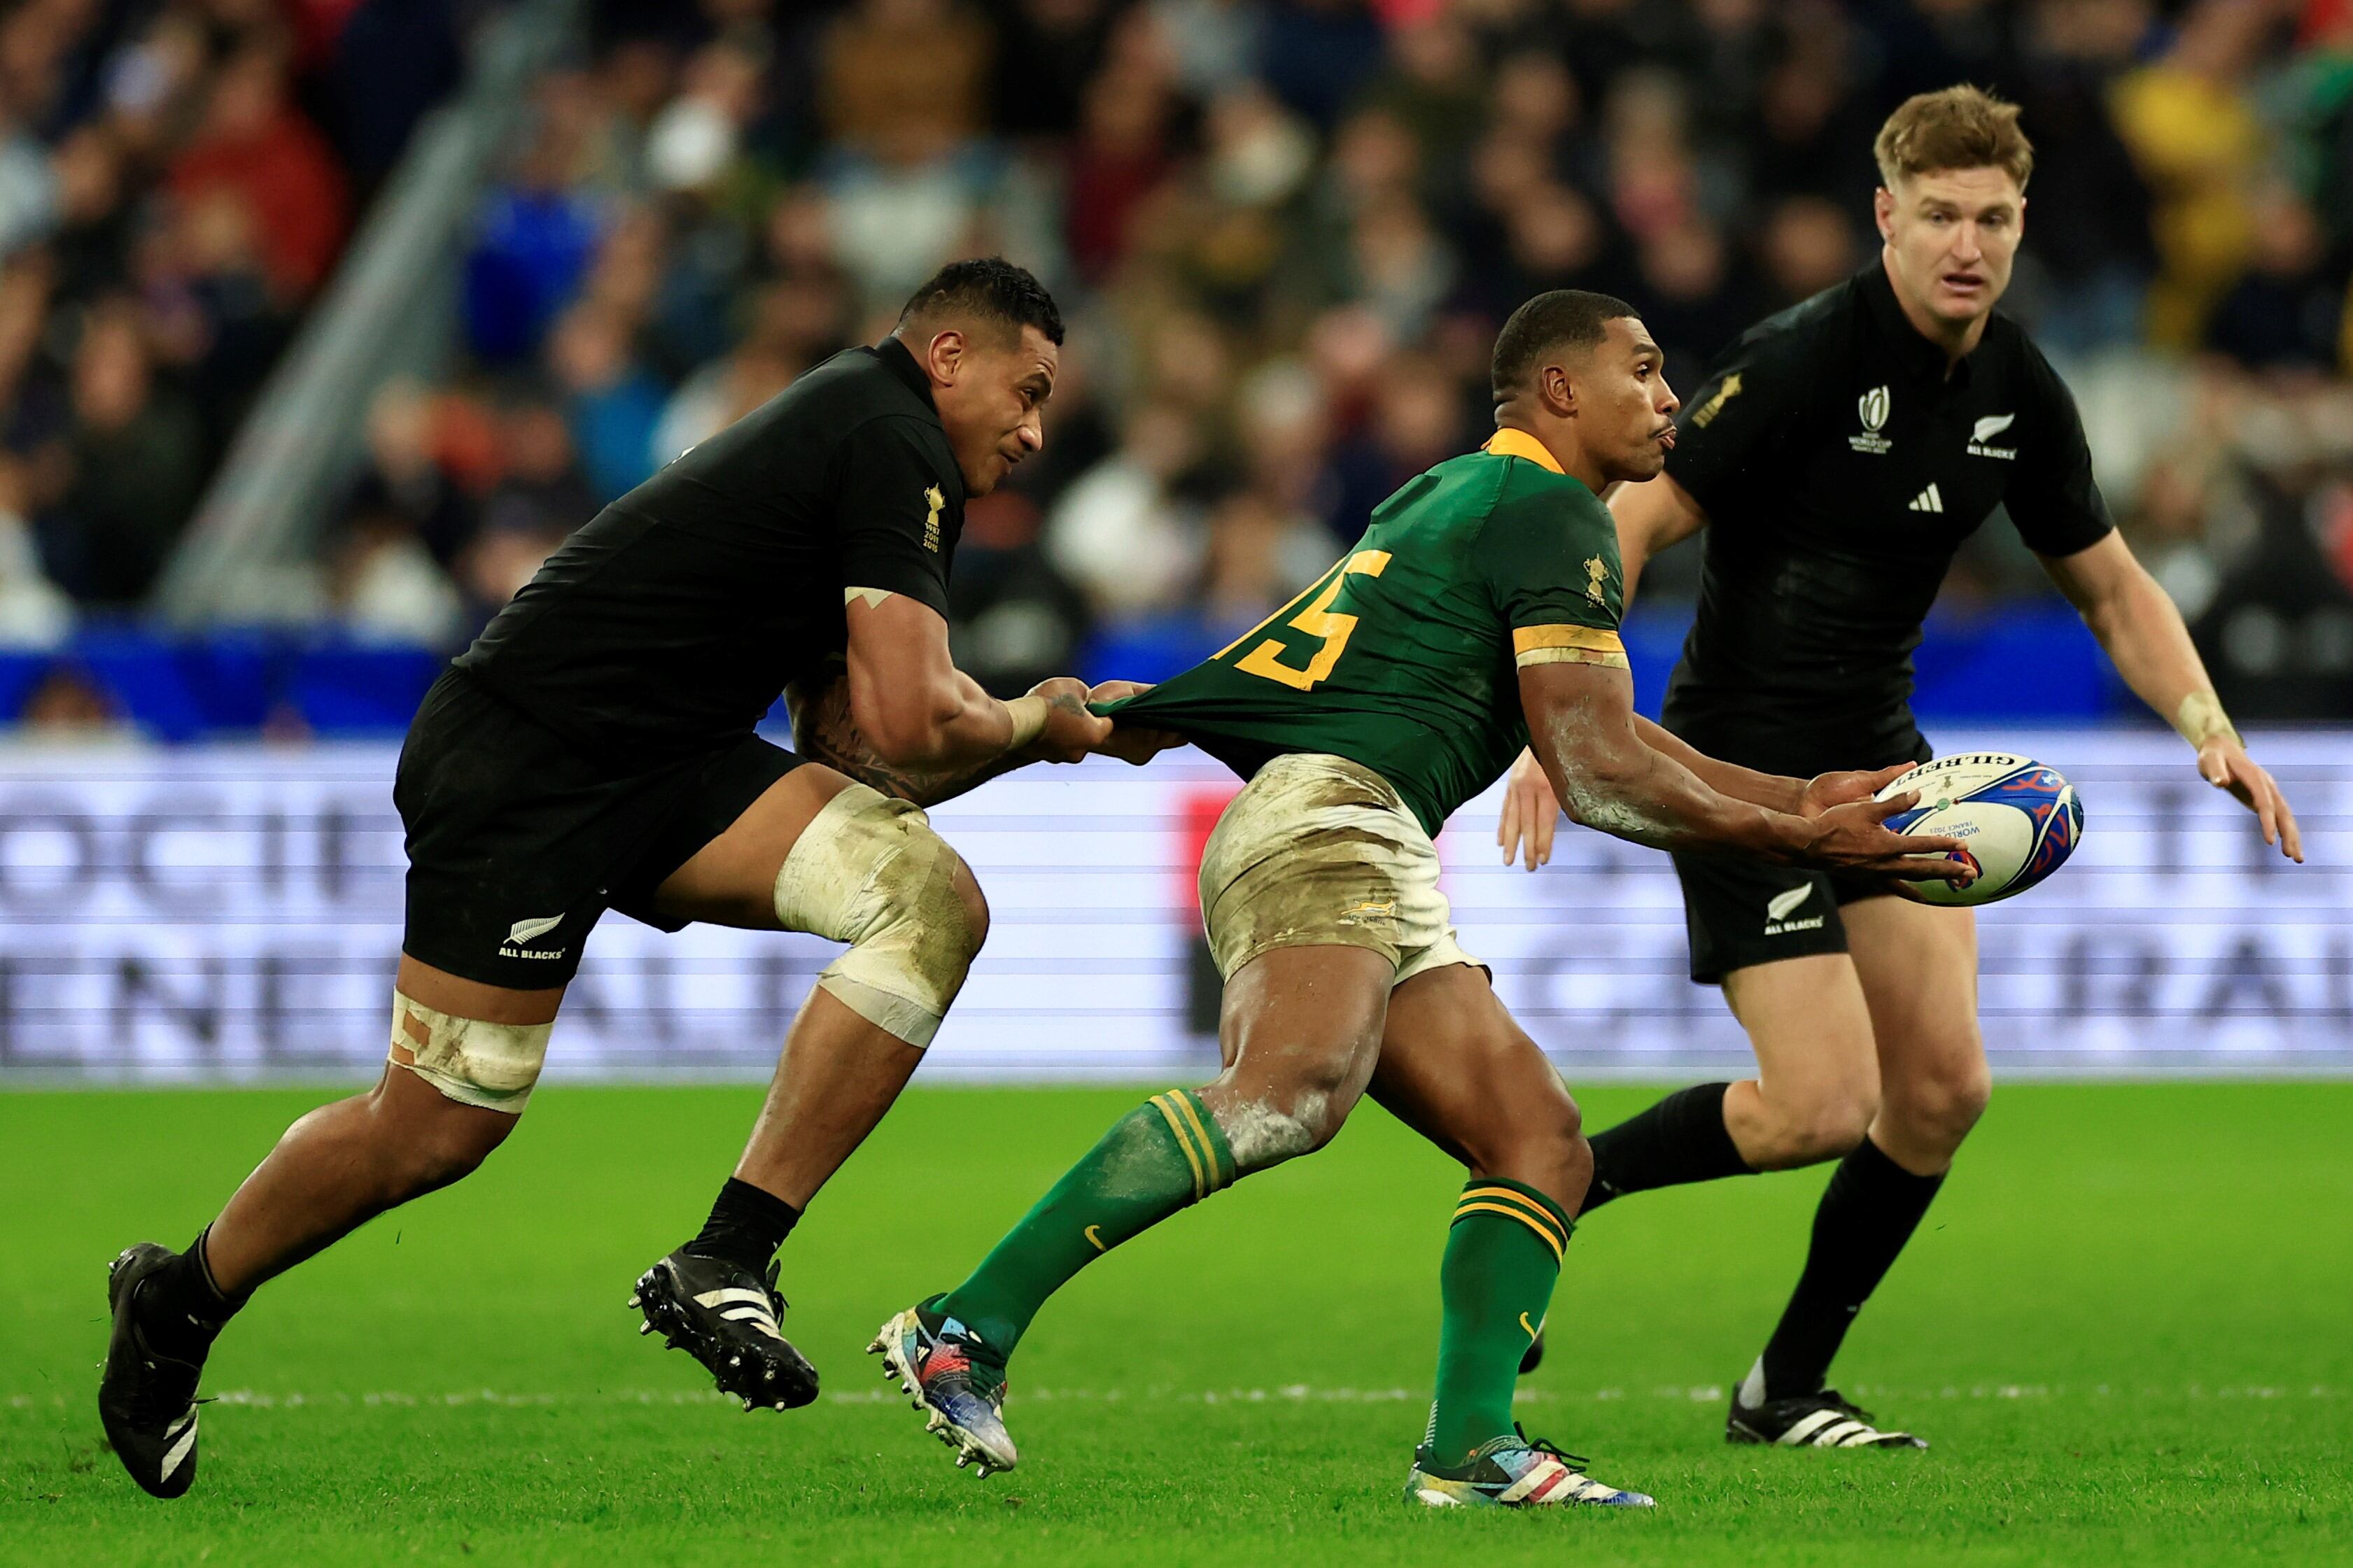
x=1402 y=656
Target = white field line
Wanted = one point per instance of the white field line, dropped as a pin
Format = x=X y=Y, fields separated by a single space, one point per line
x=1292 y=1393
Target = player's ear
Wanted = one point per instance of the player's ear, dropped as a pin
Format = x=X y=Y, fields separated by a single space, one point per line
x=944 y=355
x=1882 y=211
x=1555 y=391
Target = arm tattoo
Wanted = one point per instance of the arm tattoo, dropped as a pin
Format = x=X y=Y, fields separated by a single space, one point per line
x=824 y=732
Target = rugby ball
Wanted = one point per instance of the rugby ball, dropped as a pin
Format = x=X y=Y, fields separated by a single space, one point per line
x=2018 y=818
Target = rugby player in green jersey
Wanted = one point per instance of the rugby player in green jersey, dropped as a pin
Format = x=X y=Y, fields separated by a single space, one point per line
x=1481 y=604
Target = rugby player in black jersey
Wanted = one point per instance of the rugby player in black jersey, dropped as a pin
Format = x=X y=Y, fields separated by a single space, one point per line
x=595 y=749
x=1838 y=455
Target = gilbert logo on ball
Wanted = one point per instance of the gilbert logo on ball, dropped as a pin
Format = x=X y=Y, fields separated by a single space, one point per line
x=2019 y=821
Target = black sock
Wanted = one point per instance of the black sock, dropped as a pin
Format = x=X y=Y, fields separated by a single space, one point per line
x=1680 y=1138
x=1868 y=1211
x=745 y=1227
x=181 y=1310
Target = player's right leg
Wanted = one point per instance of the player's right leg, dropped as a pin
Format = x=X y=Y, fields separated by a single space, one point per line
x=1457 y=1068
x=463 y=1058
x=814 y=852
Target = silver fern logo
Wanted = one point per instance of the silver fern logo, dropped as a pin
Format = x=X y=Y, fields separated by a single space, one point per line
x=1985 y=430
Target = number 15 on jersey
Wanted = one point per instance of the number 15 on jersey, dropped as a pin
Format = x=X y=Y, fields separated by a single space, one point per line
x=1330 y=627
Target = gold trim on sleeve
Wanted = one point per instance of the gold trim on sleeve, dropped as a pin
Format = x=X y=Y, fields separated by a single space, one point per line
x=1568 y=645
x=1591 y=639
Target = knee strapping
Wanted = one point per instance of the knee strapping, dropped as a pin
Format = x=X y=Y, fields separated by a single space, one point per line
x=869 y=871
x=492 y=1066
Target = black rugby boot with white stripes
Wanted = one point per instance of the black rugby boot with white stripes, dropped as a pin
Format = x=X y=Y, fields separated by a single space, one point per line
x=725 y=1315
x=147 y=1400
x=1824 y=1420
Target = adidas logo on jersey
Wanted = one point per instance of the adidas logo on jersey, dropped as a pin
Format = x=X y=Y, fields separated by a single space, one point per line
x=1928 y=500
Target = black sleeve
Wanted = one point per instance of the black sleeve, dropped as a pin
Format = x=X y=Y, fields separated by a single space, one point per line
x=1731 y=435
x=2052 y=499
x=893 y=505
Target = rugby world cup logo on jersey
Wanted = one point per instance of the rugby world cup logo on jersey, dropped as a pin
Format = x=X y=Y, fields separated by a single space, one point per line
x=937 y=502
x=1985 y=430
x=1872 y=409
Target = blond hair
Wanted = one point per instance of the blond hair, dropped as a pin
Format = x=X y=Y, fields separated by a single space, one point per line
x=1962 y=127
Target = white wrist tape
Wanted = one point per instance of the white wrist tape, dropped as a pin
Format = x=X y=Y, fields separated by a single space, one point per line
x=869 y=871
x=2200 y=718
x=492 y=1066
x=1029 y=720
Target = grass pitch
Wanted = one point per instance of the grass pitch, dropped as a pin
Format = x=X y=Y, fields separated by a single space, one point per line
x=2127 y=1328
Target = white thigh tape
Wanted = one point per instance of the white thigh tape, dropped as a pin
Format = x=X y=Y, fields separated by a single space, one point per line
x=493 y=1066
x=869 y=871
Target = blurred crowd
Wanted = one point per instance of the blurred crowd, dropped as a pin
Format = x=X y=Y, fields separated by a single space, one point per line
x=176 y=180
x=1284 y=232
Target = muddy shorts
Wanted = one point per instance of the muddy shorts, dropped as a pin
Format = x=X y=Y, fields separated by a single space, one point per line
x=1320 y=851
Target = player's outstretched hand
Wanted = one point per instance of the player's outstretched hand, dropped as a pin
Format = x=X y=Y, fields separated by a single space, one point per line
x=1530 y=813
x=1071 y=733
x=1854 y=838
x=1131 y=743
x=2224 y=763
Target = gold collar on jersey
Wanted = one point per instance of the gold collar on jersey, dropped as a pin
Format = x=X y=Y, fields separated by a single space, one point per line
x=1510 y=443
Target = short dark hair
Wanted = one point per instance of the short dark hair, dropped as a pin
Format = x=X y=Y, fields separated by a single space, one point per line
x=1564 y=318
x=992 y=288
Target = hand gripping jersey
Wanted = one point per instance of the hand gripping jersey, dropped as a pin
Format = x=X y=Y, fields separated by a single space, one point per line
x=1402 y=657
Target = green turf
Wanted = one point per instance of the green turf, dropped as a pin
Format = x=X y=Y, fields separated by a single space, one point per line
x=2127 y=1327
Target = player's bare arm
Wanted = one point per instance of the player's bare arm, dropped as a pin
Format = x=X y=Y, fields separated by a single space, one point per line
x=1650 y=515
x=917 y=709
x=825 y=731
x=1582 y=719
x=1531 y=809
x=2141 y=628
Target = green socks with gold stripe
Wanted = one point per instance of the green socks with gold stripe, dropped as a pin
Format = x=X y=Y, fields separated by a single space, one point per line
x=1503 y=1258
x=1163 y=1155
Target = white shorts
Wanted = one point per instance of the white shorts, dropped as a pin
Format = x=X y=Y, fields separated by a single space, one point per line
x=1320 y=851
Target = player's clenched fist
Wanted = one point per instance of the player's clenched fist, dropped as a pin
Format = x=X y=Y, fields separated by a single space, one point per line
x=1131 y=743
x=1070 y=732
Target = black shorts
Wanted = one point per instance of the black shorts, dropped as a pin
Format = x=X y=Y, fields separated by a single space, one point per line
x=1742 y=912
x=517 y=843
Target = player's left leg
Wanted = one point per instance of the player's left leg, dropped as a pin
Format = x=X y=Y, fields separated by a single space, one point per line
x=1457 y=1068
x=814 y=852
x=1300 y=1031
x=1918 y=967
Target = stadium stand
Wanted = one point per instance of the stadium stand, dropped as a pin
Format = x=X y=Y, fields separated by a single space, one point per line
x=1285 y=231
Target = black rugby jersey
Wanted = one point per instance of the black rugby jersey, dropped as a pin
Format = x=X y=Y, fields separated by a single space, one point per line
x=1841 y=469
x=671 y=623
